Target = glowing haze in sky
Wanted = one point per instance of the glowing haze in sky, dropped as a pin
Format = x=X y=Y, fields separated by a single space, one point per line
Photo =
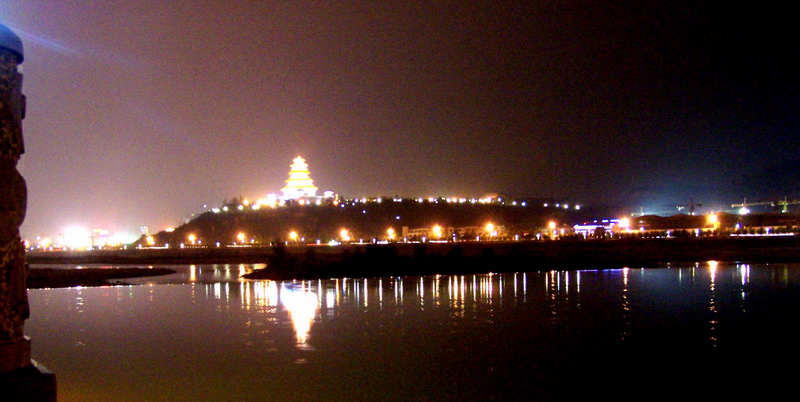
x=140 y=112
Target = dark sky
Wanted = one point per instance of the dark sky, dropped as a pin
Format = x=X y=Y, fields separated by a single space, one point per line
x=139 y=112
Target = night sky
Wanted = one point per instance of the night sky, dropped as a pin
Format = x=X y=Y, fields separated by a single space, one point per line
x=139 y=112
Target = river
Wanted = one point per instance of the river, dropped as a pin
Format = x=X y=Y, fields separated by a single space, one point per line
x=205 y=334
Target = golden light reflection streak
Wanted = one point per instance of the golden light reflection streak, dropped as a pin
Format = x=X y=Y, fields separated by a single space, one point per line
x=463 y=288
x=490 y=289
x=626 y=305
x=500 y=290
x=247 y=299
x=553 y=298
x=524 y=286
x=302 y=306
x=713 y=323
x=265 y=293
x=337 y=292
x=450 y=290
x=515 y=286
x=546 y=283
x=398 y=291
x=436 y=290
x=457 y=305
x=744 y=273
x=421 y=293
x=474 y=288
x=558 y=281
x=192 y=273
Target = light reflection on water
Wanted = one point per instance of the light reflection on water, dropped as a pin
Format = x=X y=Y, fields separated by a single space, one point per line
x=487 y=329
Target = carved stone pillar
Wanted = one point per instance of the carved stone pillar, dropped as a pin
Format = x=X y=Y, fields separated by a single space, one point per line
x=14 y=347
x=21 y=379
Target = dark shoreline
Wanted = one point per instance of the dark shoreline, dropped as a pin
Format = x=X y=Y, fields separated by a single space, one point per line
x=39 y=278
x=356 y=260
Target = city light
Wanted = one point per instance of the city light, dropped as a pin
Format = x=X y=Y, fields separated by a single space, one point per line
x=240 y=237
x=624 y=223
x=437 y=231
x=192 y=238
x=344 y=234
x=490 y=228
x=713 y=220
x=293 y=235
x=76 y=237
x=150 y=241
x=390 y=233
x=551 y=225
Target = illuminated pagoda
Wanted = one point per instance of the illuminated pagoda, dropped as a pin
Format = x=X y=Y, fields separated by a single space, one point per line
x=299 y=183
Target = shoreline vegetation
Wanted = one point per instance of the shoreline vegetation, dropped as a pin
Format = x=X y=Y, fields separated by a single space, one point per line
x=40 y=278
x=396 y=259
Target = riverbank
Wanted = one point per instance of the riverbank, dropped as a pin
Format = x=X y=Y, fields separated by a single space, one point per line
x=311 y=261
x=469 y=258
x=63 y=278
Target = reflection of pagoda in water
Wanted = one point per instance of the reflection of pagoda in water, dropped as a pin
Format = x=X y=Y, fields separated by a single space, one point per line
x=299 y=183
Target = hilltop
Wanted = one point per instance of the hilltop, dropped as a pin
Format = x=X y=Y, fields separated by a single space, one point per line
x=364 y=220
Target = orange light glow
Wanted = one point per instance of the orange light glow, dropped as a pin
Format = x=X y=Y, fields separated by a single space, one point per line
x=437 y=231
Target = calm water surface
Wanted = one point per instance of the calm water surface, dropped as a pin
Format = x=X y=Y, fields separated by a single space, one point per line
x=705 y=331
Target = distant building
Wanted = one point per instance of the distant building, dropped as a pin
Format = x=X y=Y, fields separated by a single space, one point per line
x=299 y=183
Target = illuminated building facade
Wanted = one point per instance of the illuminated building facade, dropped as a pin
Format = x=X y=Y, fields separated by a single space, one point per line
x=299 y=183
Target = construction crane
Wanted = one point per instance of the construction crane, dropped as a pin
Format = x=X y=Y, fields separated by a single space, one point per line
x=743 y=206
x=691 y=206
x=784 y=204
